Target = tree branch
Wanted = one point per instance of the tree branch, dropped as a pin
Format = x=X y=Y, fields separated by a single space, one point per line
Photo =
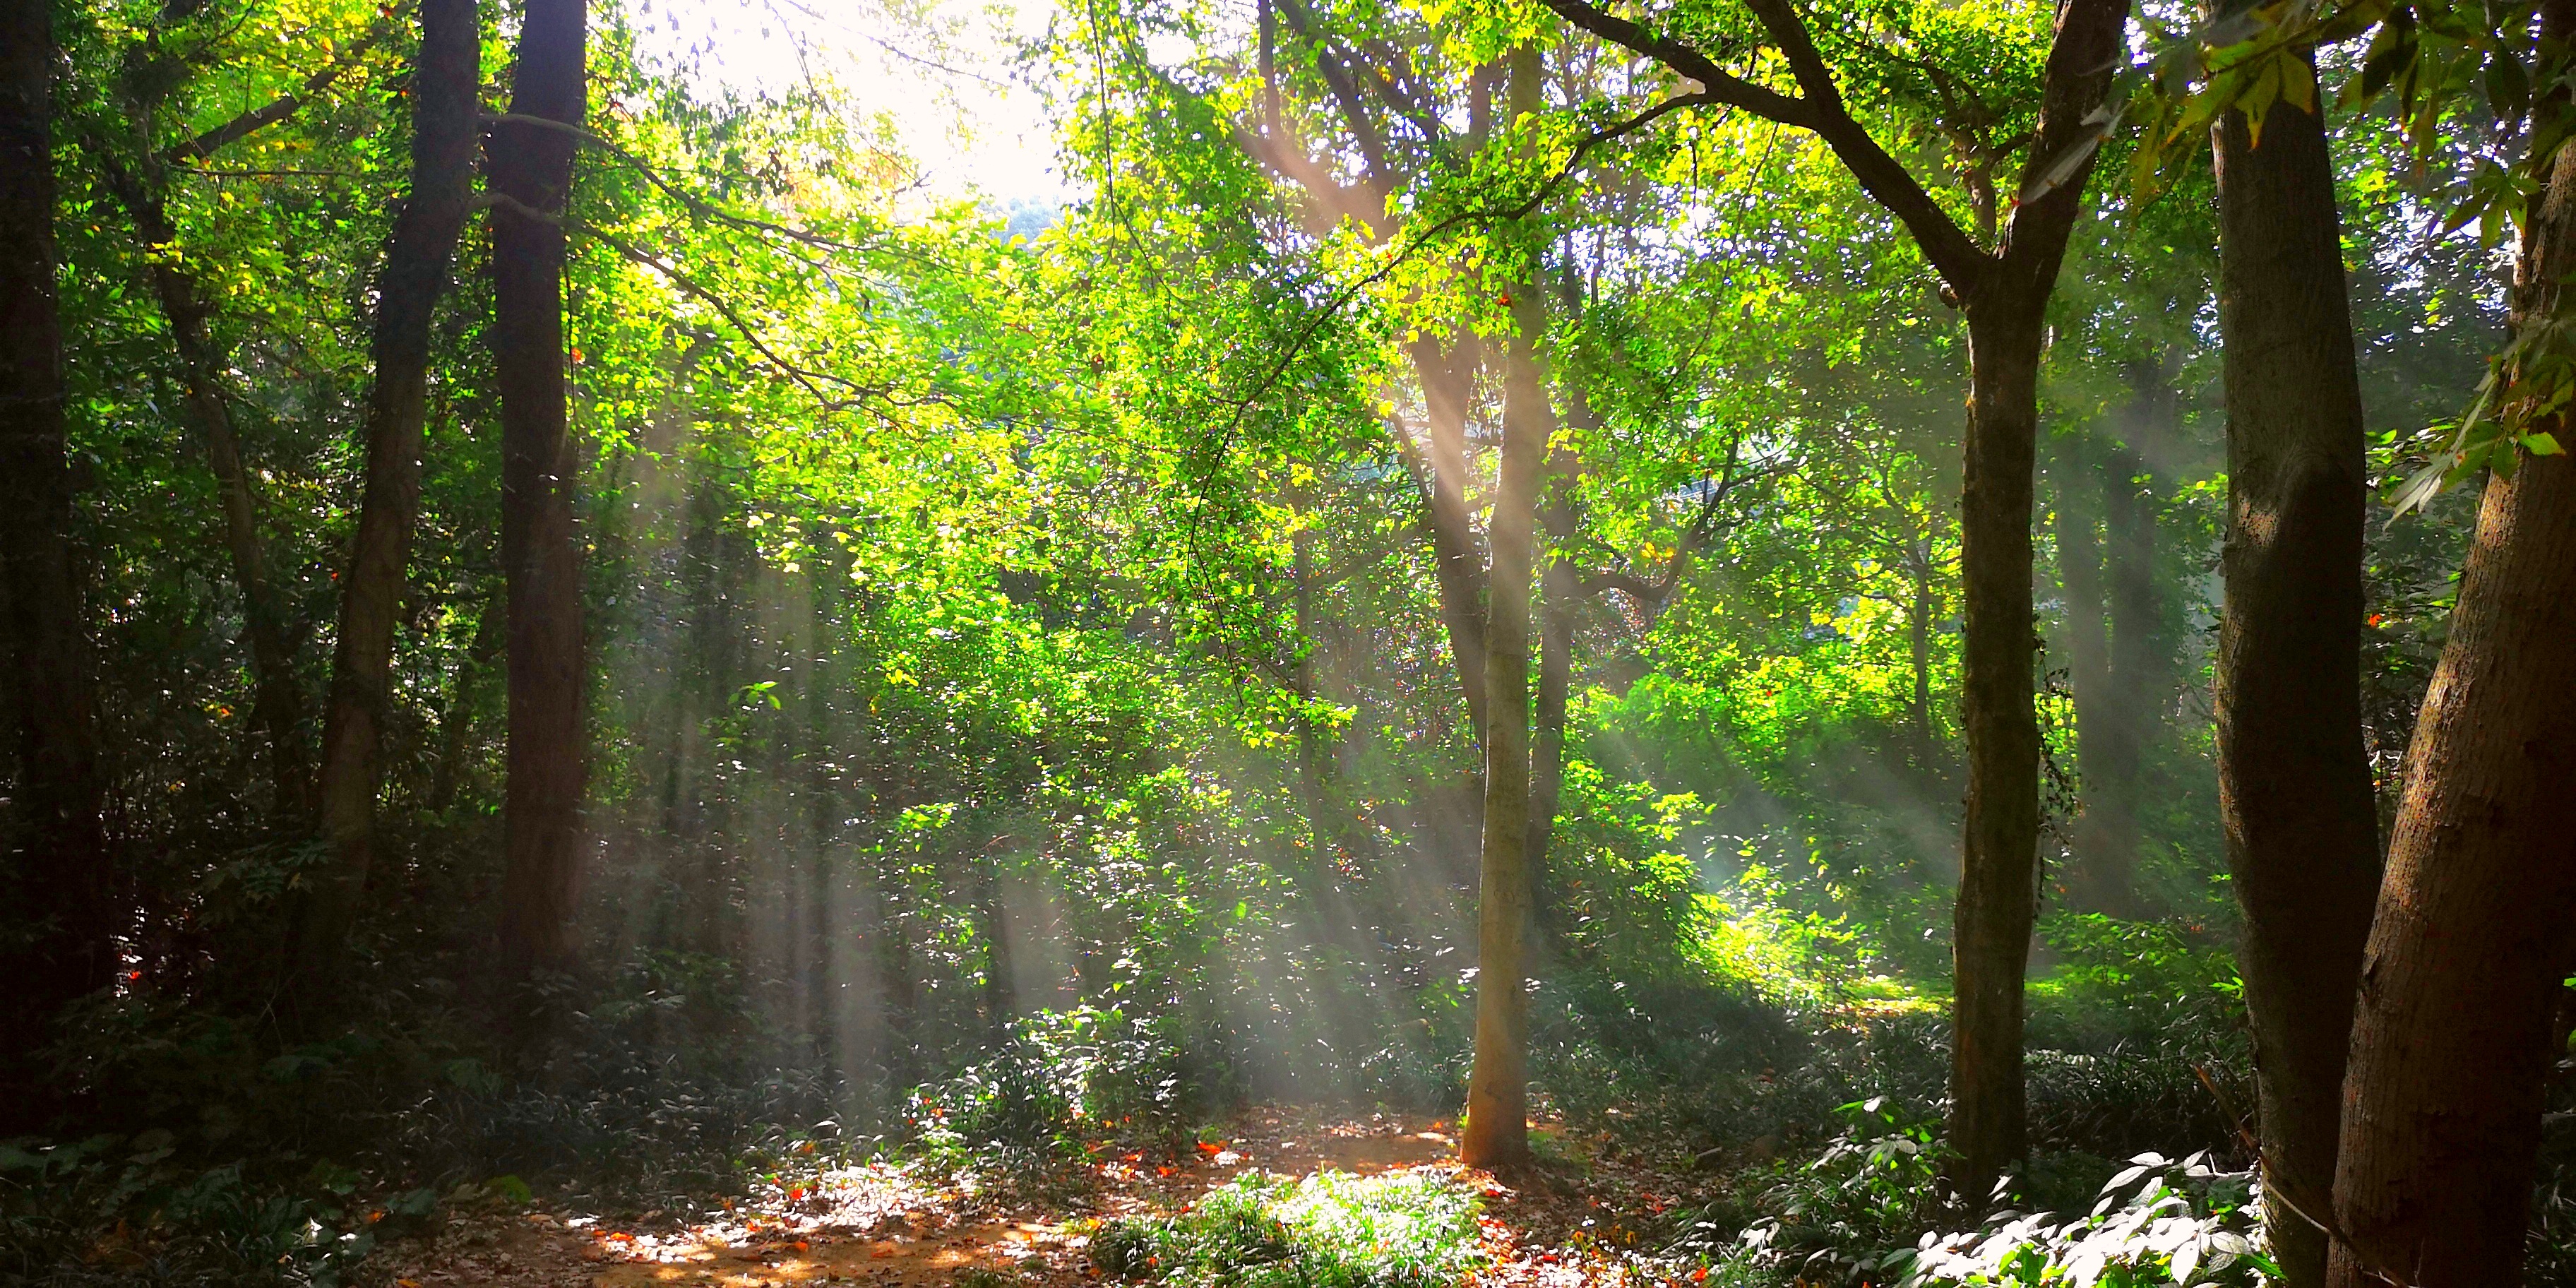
x=1819 y=109
x=802 y=376
x=284 y=105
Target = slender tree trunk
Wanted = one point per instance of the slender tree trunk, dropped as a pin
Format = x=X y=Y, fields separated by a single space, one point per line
x=456 y=726
x=58 y=856
x=2115 y=733
x=2294 y=783
x=1560 y=588
x=822 y=800
x=1999 y=873
x=531 y=167
x=2104 y=846
x=1497 y=1130
x=1918 y=639
x=277 y=701
x=2459 y=984
x=2088 y=665
x=417 y=257
x=1448 y=384
x=1001 y=984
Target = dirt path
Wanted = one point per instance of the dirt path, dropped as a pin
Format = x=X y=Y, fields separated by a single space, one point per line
x=889 y=1227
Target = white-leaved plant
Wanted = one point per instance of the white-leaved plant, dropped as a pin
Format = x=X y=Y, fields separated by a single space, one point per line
x=2158 y=1222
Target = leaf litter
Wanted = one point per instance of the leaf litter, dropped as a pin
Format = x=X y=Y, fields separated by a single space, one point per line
x=1584 y=1220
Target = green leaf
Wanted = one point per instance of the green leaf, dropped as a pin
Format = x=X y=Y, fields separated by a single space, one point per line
x=2508 y=86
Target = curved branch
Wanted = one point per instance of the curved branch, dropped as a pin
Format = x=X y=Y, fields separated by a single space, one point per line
x=1819 y=109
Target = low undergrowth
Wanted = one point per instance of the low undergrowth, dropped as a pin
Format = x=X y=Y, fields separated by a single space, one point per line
x=1414 y=1229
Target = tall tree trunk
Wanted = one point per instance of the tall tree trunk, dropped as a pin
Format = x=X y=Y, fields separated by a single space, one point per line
x=2088 y=656
x=531 y=167
x=2460 y=980
x=2115 y=733
x=1918 y=640
x=1497 y=1129
x=2004 y=291
x=822 y=800
x=1560 y=587
x=1448 y=378
x=456 y=724
x=2294 y=783
x=58 y=855
x=2092 y=567
x=417 y=257
x=1999 y=872
x=277 y=701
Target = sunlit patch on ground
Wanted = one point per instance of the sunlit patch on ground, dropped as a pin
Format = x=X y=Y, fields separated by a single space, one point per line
x=898 y=1225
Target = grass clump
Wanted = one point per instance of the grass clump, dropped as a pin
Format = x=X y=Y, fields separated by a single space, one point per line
x=1329 y=1230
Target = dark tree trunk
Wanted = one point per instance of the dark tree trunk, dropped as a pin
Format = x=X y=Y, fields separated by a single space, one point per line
x=417 y=258
x=531 y=169
x=2459 y=984
x=456 y=724
x=1999 y=872
x=58 y=856
x=1497 y=1128
x=1918 y=640
x=2007 y=310
x=2294 y=783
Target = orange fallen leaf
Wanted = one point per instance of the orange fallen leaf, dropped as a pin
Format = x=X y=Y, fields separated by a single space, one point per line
x=1211 y=1148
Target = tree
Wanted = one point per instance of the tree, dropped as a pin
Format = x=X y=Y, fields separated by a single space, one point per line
x=1496 y=1134
x=2294 y=780
x=445 y=129
x=2004 y=290
x=530 y=158
x=143 y=189
x=57 y=844
x=2460 y=978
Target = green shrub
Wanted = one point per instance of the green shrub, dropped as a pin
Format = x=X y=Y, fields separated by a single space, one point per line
x=2182 y=1223
x=1331 y=1230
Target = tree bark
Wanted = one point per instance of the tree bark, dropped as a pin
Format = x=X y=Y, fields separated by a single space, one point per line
x=2460 y=978
x=1496 y=1135
x=531 y=167
x=1560 y=588
x=2294 y=782
x=417 y=258
x=58 y=853
x=1448 y=379
x=1999 y=873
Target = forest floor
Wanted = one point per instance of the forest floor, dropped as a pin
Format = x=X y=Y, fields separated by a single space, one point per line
x=1575 y=1222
